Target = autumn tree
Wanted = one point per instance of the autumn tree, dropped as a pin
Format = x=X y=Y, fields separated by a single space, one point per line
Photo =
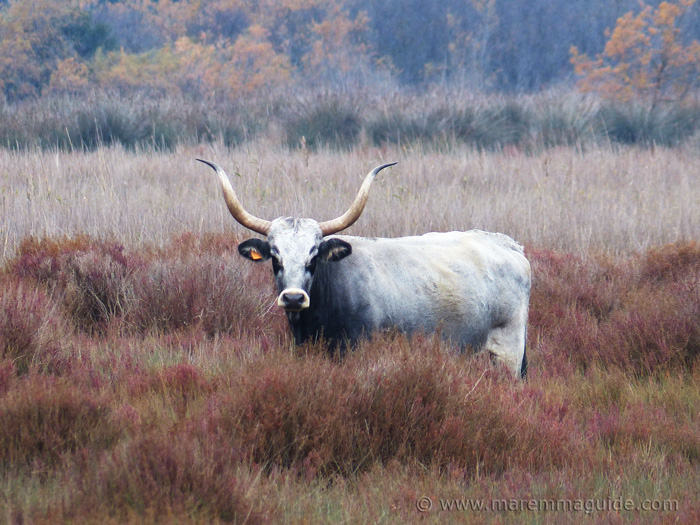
x=39 y=37
x=234 y=48
x=338 y=45
x=644 y=57
x=251 y=64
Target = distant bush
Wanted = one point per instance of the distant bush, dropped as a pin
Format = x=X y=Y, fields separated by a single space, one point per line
x=327 y=120
x=392 y=127
x=104 y=120
x=565 y=121
x=485 y=125
x=340 y=121
x=491 y=126
x=640 y=124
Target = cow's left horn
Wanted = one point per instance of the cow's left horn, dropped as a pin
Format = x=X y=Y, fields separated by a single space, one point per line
x=356 y=208
x=251 y=222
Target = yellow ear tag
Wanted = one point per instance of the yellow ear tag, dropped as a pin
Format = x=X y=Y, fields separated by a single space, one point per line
x=255 y=255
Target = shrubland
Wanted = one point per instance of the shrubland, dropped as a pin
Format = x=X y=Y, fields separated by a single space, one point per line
x=433 y=118
x=147 y=376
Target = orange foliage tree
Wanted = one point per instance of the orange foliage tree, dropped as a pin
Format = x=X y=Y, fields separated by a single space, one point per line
x=242 y=48
x=70 y=76
x=34 y=43
x=221 y=48
x=337 y=48
x=129 y=71
x=251 y=64
x=644 y=58
x=222 y=70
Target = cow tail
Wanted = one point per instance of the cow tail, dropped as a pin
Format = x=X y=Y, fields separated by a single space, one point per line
x=523 y=366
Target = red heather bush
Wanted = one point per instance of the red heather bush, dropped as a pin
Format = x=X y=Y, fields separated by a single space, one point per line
x=284 y=413
x=678 y=262
x=216 y=294
x=640 y=315
x=639 y=426
x=202 y=282
x=562 y=281
x=7 y=375
x=179 y=385
x=389 y=401
x=192 y=284
x=167 y=477
x=93 y=278
x=42 y=418
x=239 y=296
x=33 y=331
x=658 y=330
x=41 y=258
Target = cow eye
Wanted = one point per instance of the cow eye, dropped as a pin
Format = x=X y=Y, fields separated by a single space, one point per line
x=311 y=265
x=276 y=265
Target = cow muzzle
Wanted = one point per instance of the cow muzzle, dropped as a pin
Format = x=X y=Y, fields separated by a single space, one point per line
x=293 y=299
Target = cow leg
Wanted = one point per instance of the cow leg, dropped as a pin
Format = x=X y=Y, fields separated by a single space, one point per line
x=506 y=342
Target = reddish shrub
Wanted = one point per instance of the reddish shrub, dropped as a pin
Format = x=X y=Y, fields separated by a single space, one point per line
x=7 y=375
x=640 y=315
x=217 y=294
x=625 y=430
x=179 y=385
x=41 y=258
x=33 y=331
x=42 y=418
x=286 y=414
x=93 y=278
x=671 y=263
x=99 y=287
x=409 y=403
x=194 y=283
x=168 y=475
x=564 y=281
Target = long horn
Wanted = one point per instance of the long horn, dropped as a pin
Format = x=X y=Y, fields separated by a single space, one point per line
x=234 y=205
x=356 y=208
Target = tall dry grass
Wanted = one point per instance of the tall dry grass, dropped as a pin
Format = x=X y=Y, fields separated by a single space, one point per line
x=595 y=201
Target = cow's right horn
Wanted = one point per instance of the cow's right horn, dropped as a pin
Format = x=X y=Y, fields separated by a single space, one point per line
x=349 y=217
x=251 y=222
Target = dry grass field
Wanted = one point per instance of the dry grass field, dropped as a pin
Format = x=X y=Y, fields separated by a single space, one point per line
x=145 y=375
x=592 y=202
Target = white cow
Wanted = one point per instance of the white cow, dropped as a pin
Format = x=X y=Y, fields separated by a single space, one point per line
x=473 y=286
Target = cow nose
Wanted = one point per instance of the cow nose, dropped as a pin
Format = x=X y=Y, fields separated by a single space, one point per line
x=293 y=299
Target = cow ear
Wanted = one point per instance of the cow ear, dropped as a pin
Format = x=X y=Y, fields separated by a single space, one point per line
x=334 y=250
x=255 y=249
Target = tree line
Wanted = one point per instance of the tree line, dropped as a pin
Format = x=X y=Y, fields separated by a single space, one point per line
x=239 y=48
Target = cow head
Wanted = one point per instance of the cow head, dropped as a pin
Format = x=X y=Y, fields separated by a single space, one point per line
x=296 y=246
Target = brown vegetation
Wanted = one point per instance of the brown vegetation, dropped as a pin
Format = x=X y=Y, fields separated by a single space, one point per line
x=145 y=374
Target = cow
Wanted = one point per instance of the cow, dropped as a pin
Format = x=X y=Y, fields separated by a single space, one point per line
x=473 y=287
